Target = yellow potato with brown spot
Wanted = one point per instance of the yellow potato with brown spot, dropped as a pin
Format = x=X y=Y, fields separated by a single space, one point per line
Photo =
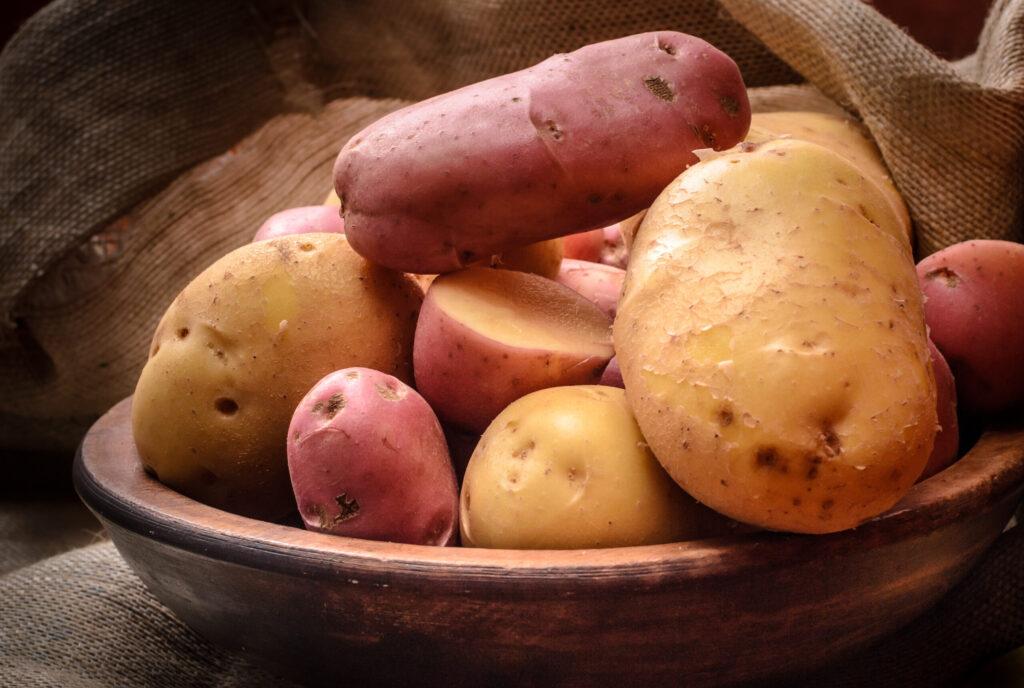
x=567 y=467
x=242 y=344
x=772 y=341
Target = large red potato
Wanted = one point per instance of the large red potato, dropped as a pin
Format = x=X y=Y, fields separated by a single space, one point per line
x=975 y=312
x=367 y=458
x=578 y=141
x=486 y=337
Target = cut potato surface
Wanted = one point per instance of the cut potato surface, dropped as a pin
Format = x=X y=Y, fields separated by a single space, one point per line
x=486 y=337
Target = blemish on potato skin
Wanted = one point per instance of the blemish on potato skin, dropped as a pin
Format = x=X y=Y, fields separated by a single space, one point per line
x=659 y=88
x=812 y=469
x=768 y=457
x=335 y=403
x=348 y=508
x=389 y=393
x=949 y=277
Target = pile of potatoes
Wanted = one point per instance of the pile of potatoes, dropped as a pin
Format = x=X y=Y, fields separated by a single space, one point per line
x=593 y=303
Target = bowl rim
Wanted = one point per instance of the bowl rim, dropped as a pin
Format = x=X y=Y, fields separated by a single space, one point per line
x=110 y=480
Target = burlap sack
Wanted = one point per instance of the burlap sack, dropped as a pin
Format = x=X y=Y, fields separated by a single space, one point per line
x=142 y=140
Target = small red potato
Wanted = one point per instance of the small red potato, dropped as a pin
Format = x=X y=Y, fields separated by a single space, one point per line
x=615 y=252
x=599 y=283
x=947 y=439
x=367 y=458
x=486 y=337
x=301 y=220
x=578 y=141
x=612 y=375
x=974 y=309
x=588 y=245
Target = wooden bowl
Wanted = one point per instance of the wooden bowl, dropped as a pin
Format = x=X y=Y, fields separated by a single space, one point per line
x=332 y=610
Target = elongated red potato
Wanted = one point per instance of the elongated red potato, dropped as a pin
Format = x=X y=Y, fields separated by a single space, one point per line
x=578 y=141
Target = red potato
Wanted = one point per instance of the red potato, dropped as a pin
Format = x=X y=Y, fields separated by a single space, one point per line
x=578 y=141
x=615 y=250
x=486 y=337
x=612 y=375
x=974 y=309
x=599 y=283
x=602 y=245
x=947 y=439
x=301 y=220
x=367 y=458
x=588 y=245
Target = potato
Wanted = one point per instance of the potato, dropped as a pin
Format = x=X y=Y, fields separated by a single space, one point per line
x=240 y=346
x=487 y=337
x=578 y=141
x=604 y=245
x=947 y=440
x=975 y=312
x=612 y=375
x=588 y=245
x=301 y=220
x=541 y=258
x=628 y=228
x=842 y=135
x=368 y=459
x=599 y=283
x=772 y=342
x=567 y=467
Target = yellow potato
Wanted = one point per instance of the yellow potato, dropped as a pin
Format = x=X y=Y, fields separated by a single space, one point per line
x=842 y=135
x=772 y=341
x=541 y=258
x=242 y=344
x=567 y=467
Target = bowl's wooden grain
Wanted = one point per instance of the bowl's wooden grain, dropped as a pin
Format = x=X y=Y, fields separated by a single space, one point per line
x=326 y=609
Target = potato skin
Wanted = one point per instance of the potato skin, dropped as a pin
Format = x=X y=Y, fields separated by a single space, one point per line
x=842 y=135
x=578 y=141
x=567 y=467
x=772 y=342
x=599 y=283
x=240 y=346
x=367 y=458
x=304 y=219
x=468 y=375
x=975 y=312
x=946 y=450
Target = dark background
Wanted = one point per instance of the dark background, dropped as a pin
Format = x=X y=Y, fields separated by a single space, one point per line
x=949 y=27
